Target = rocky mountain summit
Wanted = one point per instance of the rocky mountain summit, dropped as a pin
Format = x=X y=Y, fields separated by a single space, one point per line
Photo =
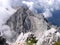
x=24 y=22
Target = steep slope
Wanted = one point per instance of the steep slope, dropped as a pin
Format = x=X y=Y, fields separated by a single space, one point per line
x=24 y=23
x=24 y=20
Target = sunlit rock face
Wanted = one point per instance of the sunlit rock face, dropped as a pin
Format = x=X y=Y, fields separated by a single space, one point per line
x=23 y=20
x=17 y=22
x=48 y=37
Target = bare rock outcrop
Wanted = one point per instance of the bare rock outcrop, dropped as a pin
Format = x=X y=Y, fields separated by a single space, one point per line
x=24 y=20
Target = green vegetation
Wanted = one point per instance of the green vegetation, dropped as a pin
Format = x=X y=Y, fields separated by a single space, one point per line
x=31 y=40
x=57 y=43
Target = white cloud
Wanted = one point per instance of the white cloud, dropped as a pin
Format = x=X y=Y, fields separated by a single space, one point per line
x=4 y=3
x=5 y=12
x=47 y=14
x=51 y=5
x=29 y=4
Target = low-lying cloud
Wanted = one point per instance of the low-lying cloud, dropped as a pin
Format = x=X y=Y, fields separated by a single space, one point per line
x=47 y=5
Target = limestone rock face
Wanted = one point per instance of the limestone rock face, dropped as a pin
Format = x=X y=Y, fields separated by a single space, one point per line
x=23 y=20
